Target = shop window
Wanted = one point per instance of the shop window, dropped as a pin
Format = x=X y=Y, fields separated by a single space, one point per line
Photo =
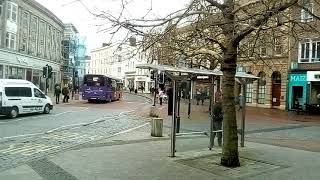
x=15 y=73
x=12 y=12
x=249 y=93
x=261 y=88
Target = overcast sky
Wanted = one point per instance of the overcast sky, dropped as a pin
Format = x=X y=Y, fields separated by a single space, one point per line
x=72 y=11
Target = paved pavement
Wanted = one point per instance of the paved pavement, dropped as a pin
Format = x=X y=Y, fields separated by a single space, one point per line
x=121 y=148
x=135 y=155
x=268 y=126
x=69 y=125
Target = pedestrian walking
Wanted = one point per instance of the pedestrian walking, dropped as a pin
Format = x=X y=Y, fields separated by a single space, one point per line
x=65 y=93
x=217 y=122
x=198 y=96
x=57 y=92
x=203 y=96
x=161 y=94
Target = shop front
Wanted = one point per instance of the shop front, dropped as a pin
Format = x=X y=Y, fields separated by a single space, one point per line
x=142 y=82
x=18 y=66
x=313 y=78
x=297 y=91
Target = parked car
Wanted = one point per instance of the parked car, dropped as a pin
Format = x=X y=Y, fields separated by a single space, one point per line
x=22 y=97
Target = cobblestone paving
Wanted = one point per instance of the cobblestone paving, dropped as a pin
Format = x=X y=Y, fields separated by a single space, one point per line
x=16 y=151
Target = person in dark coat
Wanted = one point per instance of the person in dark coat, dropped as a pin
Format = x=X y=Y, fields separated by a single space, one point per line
x=217 y=122
x=65 y=92
x=57 y=92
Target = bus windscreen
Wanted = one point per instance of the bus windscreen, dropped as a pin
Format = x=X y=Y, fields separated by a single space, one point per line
x=94 y=81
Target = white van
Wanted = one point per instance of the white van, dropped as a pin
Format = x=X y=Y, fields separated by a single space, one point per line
x=22 y=97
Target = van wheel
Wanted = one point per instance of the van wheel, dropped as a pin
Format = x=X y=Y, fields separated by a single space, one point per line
x=46 y=109
x=14 y=113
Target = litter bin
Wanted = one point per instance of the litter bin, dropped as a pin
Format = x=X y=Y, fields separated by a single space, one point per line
x=156 y=127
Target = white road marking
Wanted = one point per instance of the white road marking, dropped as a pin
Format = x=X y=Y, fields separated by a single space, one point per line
x=27 y=149
x=24 y=135
x=37 y=116
x=71 y=125
x=32 y=148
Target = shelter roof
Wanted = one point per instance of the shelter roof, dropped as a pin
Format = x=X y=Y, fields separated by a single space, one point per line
x=194 y=71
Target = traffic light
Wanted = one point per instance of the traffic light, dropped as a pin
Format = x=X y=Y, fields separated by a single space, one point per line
x=76 y=74
x=49 y=72
x=44 y=71
x=161 y=78
x=152 y=76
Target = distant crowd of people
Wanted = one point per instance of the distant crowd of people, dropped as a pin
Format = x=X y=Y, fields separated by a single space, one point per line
x=65 y=91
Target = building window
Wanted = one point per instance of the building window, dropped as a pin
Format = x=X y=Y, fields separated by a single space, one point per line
x=119 y=69
x=263 y=48
x=315 y=51
x=277 y=46
x=309 y=51
x=11 y=41
x=42 y=31
x=305 y=15
x=24 y=32
x=1 y=6
x=249 y=93
x=33 y=35
x=261 y=88
x=1 y=72
x=12 y=12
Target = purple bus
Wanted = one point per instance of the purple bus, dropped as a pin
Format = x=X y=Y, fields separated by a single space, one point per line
x=99 y=87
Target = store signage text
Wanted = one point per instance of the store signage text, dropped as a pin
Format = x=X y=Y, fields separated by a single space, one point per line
x=298 y=78
x=22 y=61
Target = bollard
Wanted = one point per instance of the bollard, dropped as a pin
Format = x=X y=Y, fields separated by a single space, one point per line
x=156 y=127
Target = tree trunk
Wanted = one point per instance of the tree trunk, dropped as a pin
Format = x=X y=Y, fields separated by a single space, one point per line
x=230 y=155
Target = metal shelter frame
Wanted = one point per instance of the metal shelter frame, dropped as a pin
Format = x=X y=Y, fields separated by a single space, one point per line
x=180 y=74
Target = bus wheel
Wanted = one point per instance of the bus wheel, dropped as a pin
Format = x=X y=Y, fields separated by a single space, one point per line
x=14 y=113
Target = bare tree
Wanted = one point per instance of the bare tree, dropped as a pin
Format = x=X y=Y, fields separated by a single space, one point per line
x=219 y=32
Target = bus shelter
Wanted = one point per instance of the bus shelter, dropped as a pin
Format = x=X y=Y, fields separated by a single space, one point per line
x=181 y=74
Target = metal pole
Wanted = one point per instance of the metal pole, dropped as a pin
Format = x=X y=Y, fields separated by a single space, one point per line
x=190 y=94
x=73 y=81
x=155 y=88
x=173 y=125
x=211 y=112
x=243 y=119
x=178 y=108
x=46 y=80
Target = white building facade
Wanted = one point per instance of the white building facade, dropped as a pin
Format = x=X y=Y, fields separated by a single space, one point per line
x=120 y=62
x=30 y=38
